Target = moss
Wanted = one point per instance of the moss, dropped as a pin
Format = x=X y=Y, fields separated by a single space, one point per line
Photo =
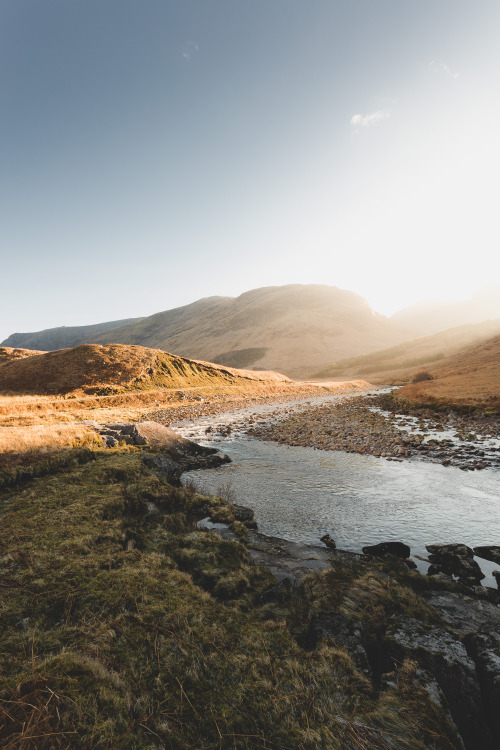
x=123 y=627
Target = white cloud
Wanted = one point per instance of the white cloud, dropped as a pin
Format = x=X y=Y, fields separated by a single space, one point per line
x=189 y=49
x=440 y=65
x=365 y=121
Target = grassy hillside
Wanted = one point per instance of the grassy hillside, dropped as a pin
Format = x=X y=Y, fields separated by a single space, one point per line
x=8 y=354
x=95 y=369
x=294 y=329
x=399 y=363
x=469 y=378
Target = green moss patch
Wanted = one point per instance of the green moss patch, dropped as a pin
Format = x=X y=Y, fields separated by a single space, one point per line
x=123 y=626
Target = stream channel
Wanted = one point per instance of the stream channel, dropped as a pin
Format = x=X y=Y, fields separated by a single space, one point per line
x=300 y=494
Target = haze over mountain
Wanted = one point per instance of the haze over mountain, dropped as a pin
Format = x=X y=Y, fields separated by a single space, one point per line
x=294 y=329
x=61 y=337
x=400 y=362
x=431 y=316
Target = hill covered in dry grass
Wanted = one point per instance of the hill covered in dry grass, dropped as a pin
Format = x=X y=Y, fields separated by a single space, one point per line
x=101 y=370
x=8 y=353
x=398 y=364
x=469 y=378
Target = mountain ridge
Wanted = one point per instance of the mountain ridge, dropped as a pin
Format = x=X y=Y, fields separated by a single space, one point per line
x=294 y=329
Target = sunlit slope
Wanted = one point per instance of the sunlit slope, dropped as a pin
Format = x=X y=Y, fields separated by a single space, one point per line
x=294 y=329
x=399 y=363
x=96 y=369
x=469 y=378
x=7 y=353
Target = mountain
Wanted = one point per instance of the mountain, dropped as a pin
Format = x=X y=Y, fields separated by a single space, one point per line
x=62 y=337
x=294 y=329
x=431 y=316
x=103 y=370
x=469 y=378
x=398 y=363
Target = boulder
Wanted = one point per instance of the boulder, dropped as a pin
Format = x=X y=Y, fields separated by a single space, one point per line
x=165 y=466
x=244 y=515
x=440 y=652
x=465 y=568
x=489 y=552
x=396 y=549
x=485 y=650
x=329 y=541
x=438 y=548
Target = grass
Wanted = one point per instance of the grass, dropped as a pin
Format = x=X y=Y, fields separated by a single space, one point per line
x=122 y=626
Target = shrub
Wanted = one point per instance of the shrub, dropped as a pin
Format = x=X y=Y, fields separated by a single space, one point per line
x=422 y=375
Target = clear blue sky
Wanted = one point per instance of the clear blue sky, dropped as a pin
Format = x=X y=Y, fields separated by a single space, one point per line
x=153 y=152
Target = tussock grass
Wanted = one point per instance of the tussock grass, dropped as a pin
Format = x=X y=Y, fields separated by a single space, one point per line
x=122 y=626
x=43 y=437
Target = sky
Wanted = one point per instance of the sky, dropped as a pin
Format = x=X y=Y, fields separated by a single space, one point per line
x=153 y=152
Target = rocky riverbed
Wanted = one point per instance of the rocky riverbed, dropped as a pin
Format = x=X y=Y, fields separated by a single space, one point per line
x=377 y=425
x=197 y=406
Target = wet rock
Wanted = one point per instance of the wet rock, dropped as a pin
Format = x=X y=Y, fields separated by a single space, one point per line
x=454 y=565
x=484 y=648
x=489 y=552
x=329 y=541
x=397 y=549
x=437 y=548
x=440 y=652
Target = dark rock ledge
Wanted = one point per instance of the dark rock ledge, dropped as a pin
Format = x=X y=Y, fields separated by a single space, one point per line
x=171 y=454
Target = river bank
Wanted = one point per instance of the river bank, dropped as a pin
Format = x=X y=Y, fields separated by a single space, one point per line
x=380 y=426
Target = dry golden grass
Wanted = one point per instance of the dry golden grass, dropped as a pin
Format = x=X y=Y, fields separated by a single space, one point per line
x=8 y=354
x=114 y=384
x=398 y=364
x=95 y=369
x=43 y=437
x=470 y=378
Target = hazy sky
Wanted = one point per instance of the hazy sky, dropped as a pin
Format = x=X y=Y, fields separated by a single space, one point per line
x=153 y=152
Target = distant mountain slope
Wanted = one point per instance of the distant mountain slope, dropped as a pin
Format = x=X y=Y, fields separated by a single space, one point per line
x=400 y=362
x=470 y=377
x=96 y=369
x=431 y=316
x=293 y=329
x=62 y=337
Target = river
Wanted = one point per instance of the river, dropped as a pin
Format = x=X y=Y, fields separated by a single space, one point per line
x=302 y=493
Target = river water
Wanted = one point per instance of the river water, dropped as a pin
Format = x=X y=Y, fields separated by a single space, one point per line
x=302 y=493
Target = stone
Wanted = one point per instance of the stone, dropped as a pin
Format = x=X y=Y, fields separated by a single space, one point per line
x=329 y=541
x=440 y=652
x=456 y=565
x=165 y=466
x=244 y=515
x=489 y=552
x=397 y=549
x=485 y=650
x=438 y=548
